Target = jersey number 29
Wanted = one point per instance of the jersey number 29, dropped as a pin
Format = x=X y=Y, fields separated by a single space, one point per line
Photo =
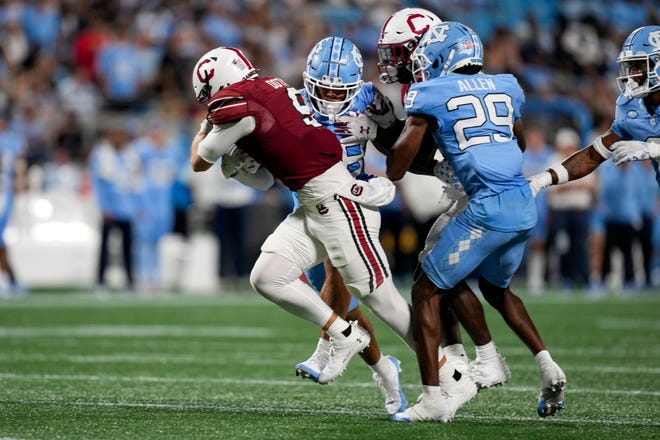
x=484 y=111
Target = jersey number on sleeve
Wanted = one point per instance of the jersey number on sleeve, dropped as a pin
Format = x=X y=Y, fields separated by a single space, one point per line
x=302 y=108
x=484 y=111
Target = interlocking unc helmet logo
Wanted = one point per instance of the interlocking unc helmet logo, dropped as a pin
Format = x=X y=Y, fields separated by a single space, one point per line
x=654 y=39
x=356 y=190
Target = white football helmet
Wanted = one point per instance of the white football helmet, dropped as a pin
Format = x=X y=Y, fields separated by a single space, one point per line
x=219 y=68
x=398 y=38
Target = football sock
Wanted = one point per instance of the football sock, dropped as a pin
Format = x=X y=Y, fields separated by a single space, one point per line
x=382 y=367
x=338 y=328
x=543 y=359
x=456 y=350
x=487 y=351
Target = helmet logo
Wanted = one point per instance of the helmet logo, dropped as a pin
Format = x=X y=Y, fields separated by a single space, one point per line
x=437 y=35
x=413 y=27
x=654 y=39
x=208 y=73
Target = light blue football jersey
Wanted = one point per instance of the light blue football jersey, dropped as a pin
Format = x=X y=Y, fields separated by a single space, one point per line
x=632 y=121
x=353 y=155
x=475 y=116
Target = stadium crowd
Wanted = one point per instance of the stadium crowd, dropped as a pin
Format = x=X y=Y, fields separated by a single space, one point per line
x=97 y=95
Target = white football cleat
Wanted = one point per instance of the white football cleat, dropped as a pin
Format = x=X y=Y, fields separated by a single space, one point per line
x=551 y=396
x=390 y=387
x=490 y=372
x=427 y=410
x=312 y=367
x=460 y=389
x=342 y=350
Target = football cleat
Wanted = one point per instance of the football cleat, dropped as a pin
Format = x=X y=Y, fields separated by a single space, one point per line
x=459 y=390
x=311 y=368
x=553 y=385
x=488 y=373
x=342 y=350
x=390 y=387
x=427 y=410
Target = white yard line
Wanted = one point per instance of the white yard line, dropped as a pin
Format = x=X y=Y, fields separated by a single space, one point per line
x=131 y=331
x=252 y=358
x=562 y=419
x=263 y=382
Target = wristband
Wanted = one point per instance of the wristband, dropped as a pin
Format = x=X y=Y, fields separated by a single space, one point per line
x=544 y=179
x=561 y=172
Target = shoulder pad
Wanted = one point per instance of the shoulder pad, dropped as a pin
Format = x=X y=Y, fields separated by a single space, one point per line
x=622 y=99
x=227 y=107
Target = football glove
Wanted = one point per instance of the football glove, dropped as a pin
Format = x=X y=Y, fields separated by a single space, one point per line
x=359 y=128
x=237 y=160
x=539 y=181
x=381 y=110
x=627 y=151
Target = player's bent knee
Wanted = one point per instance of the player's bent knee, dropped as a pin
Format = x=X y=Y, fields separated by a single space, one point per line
x=271 y=272
x=491 y=293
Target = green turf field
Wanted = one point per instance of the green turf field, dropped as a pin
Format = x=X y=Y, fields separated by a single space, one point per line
x=73 y=366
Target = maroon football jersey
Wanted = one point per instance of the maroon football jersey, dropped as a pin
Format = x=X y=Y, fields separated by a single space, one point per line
x=287 y=140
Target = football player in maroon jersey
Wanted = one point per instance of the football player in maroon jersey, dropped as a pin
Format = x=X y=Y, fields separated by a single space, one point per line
x=261 y=129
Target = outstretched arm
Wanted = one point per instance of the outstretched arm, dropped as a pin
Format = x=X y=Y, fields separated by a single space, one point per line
x=577 y=165
x=406 y=147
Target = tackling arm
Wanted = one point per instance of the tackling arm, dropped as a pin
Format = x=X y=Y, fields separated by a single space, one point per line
x=211 y=143
x=406 y=147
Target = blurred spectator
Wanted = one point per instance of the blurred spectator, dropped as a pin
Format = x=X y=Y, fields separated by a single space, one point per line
x=12 y=169
x=115 y=170
x=119 y=71
x=62 y=174
x=537 y=158
x=155 y=215
x=619 y=205
x=41 y=20
x=93 y=35
x=570 y=207
x=648 y=193
x=227 y=203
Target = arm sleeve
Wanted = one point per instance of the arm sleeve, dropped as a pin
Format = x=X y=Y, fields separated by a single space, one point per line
x=223 y=136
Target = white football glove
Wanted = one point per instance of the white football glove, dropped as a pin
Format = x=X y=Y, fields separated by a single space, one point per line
x=359 y=127
x=539 y=181
x=627 y=151
x=381 y=110
x=453 y=187
x=237 y=160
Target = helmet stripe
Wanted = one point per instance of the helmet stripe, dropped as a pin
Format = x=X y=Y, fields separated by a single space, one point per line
x=335 y=57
